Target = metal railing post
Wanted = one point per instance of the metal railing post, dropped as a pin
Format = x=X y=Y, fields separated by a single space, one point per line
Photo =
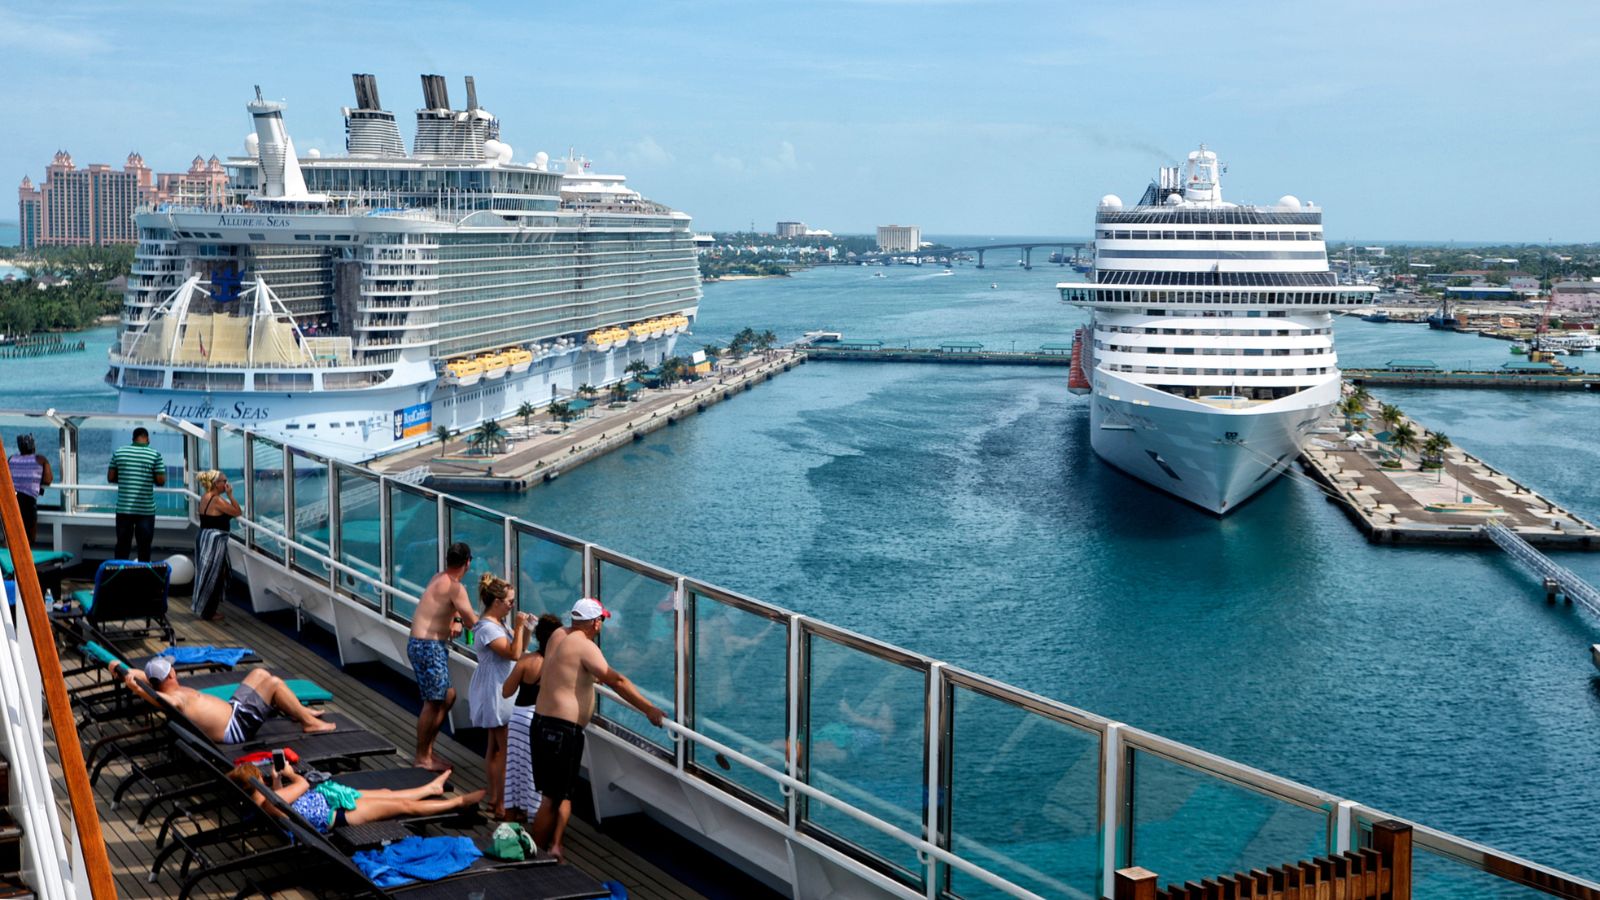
x=385 y=551
x=933 y=753
x=1344 y=831
x=684 y=642
x=335 y=531
x=287 y=456
x=791 y=753
x=248 y=467
x=69 y=465
x=1115 y=792
x=441 y=511
x=591 y=578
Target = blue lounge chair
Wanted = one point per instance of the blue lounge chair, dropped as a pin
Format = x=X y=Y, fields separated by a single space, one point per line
x=127 y=592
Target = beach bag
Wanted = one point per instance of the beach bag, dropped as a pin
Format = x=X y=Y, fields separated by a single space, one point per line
x=511 y=843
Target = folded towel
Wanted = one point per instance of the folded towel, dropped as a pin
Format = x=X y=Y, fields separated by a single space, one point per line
x=417 y=859
x=100 y=653
x=227 y=656
x=305 y=691
x=337 y=795
x=84 y=599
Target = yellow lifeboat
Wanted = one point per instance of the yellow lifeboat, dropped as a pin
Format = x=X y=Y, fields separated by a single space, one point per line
x=494 y=365
x=641 y=331
x=463 y=372
x=519 y=358
x=601 y=340
x=658 y=327
x=680 y=324
x=619 y=337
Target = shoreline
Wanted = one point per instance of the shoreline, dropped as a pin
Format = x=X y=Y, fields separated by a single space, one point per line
x=716 y=278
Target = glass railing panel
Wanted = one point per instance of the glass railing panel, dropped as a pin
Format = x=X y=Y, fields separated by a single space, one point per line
x=1024 y=798
x=1435 y=876
x=100 y=436
x=485 y=533
x=639 y=639
x=740 y=660
x=47 y=443
x=360 y=533
x=1189 y=824
x=229 y=459
x=862 y=741
x=312 y=516
x=266 y=494
x=413 y=544
x=549 y=573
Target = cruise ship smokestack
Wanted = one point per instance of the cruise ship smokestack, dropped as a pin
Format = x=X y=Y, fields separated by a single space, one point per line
x=446 y=133
x=369 y=129
x=472 y=94
x=279 y=176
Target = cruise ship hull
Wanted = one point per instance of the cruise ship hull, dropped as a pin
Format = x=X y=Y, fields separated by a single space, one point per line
x=357 y=425
x=1214 y=458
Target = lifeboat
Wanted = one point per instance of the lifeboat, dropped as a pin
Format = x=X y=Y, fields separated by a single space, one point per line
x=1077 y=378
x=463 y=372
x=520 y=359
x=680 y=324
x=494 y=365
x=641 y=331
x=600 y=341
x=657 y=328
x=622 y=336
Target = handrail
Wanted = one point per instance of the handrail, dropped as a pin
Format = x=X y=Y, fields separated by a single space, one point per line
x=85 y=814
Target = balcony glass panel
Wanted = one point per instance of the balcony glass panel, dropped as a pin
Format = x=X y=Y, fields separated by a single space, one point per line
x=413 y=544
x=549 y=575
x=311 y=512
x=360 y=533
x=1435 y=876
x=100 y=436
x=485 y=533
x=267 y=499
x=47 y=443
x=741 y=696
x=1189 y=825
x=639 y=640
x=1024 y=798
x=863 y=743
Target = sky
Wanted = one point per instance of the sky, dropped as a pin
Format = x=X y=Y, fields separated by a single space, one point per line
x=1451 y=121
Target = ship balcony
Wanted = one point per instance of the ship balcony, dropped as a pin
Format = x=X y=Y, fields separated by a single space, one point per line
x=419 y=304
x=397 y=289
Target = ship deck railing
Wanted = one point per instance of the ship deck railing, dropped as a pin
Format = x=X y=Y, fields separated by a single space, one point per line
x=802 y=752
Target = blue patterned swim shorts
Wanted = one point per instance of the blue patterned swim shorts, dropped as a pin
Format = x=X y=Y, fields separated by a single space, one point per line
x=430 y=659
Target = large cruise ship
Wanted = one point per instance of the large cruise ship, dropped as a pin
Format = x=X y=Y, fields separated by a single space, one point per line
x=1209 y=351
x=354 y=304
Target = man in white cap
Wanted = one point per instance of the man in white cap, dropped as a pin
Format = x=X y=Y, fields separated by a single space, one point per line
x=566 y=704
x=234 y=721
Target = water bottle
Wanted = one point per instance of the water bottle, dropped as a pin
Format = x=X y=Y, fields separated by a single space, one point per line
x=49 y=599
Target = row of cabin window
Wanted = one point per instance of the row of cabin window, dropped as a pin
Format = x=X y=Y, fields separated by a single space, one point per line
x=1170 y=235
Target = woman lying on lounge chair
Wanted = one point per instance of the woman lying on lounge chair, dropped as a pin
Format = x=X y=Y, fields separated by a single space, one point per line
x=329 y=804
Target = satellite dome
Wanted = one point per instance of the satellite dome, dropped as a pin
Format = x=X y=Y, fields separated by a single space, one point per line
x=252 y=145
x=505 y=153
x=1111 y=201
x=1289 y=201
x=1174 y=199
x=541 y=159
x=492 y=149
x=314 y=153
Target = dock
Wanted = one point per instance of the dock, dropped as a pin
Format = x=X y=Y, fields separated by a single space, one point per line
x=35 y=345
x=1452 y=504
x=1520 y=376
x=951 y=352
x=544 y=449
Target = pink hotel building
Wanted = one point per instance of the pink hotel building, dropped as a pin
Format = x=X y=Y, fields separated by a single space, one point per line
x=95 y=205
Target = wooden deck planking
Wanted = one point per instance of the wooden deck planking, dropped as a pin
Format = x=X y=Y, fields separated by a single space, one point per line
x=132 y=847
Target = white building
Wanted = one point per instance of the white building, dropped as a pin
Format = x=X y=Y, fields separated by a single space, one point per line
x=899 y=238
x=791 y=229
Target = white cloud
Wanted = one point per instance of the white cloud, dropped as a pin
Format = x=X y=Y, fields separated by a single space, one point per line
x=647 y=154
x=32 y=33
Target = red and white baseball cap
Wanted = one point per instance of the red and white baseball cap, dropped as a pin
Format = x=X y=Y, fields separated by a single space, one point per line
x=589 y=608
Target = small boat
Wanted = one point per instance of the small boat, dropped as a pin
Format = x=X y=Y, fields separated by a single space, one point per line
x=1519 y=349
x=600 y=341
x=641 y=332
x=619 y=337
x=657 y=328
x=463 y=372
x=993 y=285
x=879 y=275
x=1379 y=316
x=521 y=359
x=494 y=365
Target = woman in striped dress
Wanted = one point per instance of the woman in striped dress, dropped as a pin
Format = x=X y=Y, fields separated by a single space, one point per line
x=521 y=796
x=212 y=572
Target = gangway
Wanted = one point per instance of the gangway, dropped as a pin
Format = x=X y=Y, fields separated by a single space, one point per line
x=1555 y=576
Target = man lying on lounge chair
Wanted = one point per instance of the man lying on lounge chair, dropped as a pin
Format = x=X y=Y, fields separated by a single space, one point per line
x=234 y=721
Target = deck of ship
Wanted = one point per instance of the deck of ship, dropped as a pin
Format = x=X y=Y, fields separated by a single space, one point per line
x=131 y=846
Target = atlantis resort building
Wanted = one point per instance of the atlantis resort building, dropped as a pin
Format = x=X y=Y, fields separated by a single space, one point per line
x=94 y=206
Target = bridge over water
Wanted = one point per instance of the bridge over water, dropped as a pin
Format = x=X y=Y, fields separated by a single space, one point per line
x=1025 y=252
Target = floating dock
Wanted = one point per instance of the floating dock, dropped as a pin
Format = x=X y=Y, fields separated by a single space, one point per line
x=952 y=352
x=1448 y=505
x=1520 y=376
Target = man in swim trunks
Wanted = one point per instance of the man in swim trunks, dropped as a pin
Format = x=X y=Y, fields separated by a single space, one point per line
x=440 y=615
x=566 y=704
x=234 y=721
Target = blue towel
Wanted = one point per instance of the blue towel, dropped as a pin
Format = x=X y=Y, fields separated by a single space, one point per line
x=189 y=656
x=417 y=859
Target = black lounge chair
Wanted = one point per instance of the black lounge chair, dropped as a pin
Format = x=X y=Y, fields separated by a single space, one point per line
x=126 y=592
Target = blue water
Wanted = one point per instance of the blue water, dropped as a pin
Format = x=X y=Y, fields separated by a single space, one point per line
x=959 y=512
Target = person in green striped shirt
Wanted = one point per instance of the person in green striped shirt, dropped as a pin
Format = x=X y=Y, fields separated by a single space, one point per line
x=137 y=470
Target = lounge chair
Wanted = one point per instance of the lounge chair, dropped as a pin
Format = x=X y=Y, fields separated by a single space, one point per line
x=126 y=592
x=50 y=564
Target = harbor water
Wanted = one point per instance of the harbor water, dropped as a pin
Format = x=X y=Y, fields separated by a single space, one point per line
x=959 y=512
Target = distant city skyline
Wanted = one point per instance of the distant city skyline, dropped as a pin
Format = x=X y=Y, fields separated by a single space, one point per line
x=1425 y=121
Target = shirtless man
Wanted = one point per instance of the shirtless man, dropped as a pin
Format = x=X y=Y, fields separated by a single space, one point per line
x=438 y=620
x=566 y=704
x=233 y=721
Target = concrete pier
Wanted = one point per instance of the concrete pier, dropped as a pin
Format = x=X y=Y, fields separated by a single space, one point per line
x=1411 y=505
x=544 y=449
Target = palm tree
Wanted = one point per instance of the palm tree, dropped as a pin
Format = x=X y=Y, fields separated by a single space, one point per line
x=712 y=351
x=559 y=411
x=1351 y=407
x=764 y=342
x=671 y=370
x=587 y=390
x=527 y=411
x=1434 y=447
x=637 y=367
x=489 y=438
x=441 y=433
x=1362 y=394
x=1403 y=438
x=619 y=394
x=1390 y=415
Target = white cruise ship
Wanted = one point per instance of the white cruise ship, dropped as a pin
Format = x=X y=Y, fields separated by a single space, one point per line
x=1209 y=352
x=353 y=304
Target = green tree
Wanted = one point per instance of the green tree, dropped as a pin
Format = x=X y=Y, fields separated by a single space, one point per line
x=619 y=394
x=637 y=367
x=671 y=370
x=1362 y=394
x=1403 y=438
x=765 y=341
x=587 y=390
x=1390 y=415
x=559 y=411
x=489 y=438
x=527 y=411
x=1434 y=446
x=1351 y=407
x=712 y=351
x=441 y=433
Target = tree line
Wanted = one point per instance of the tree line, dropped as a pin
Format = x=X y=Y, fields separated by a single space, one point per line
x=63 y=288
